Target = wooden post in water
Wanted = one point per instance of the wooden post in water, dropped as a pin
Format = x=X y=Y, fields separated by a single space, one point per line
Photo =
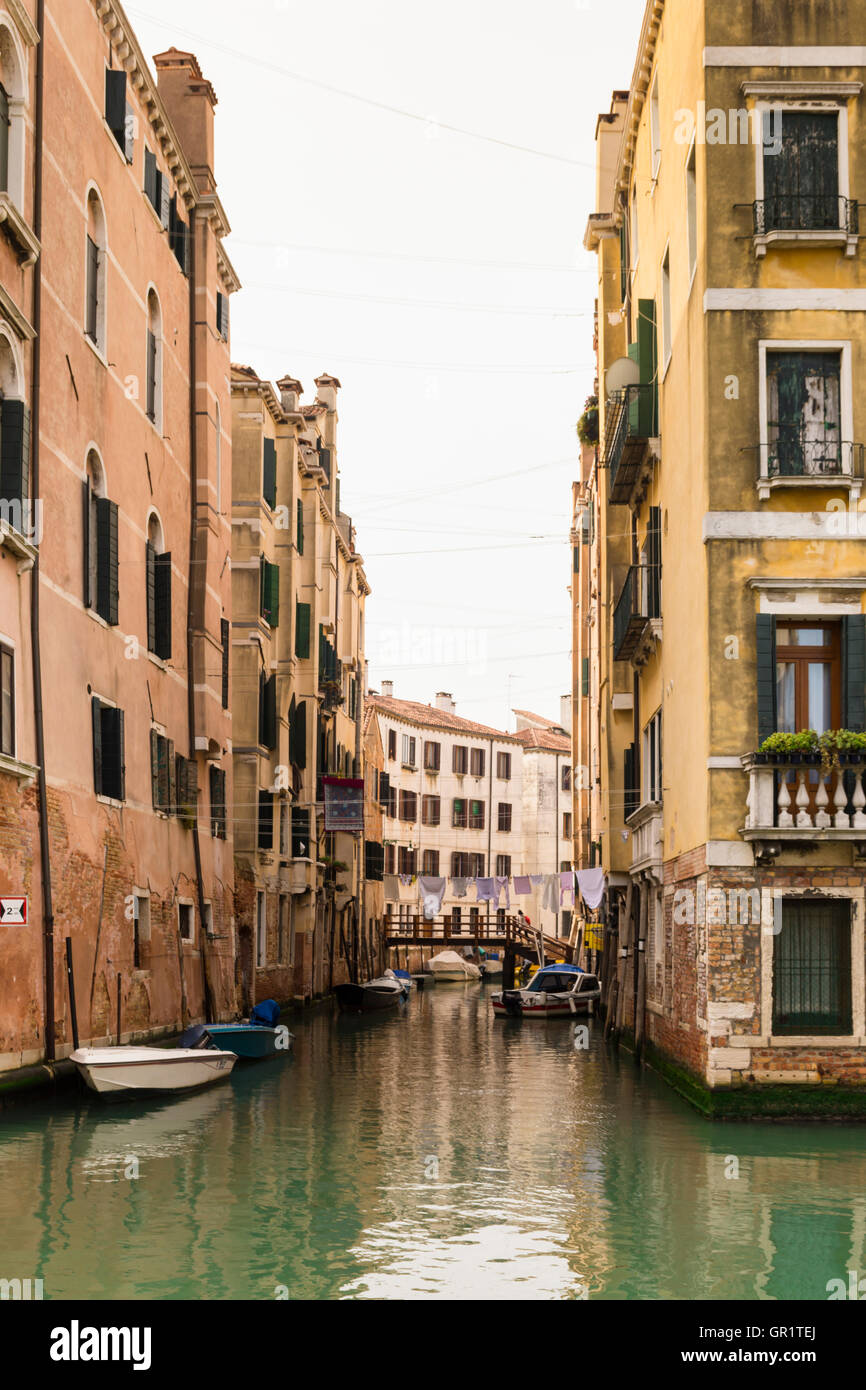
x=624 y=947
x=640 y=992
x=119 y=983
x=617 y=969
x=70 y=977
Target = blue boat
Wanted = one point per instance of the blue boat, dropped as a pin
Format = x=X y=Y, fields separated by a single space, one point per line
x=263 y=1036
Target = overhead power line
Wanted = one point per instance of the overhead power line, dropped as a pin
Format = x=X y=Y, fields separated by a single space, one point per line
x=408 y=256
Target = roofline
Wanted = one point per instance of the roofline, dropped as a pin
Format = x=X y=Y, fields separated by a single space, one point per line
x=481 y=731
x=637 y=91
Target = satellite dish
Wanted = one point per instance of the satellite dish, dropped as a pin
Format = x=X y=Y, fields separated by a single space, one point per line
x=621 y=373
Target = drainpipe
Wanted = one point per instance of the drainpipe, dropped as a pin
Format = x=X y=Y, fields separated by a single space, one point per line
x=48 y=1025
x=556 y=841
x=190 y=610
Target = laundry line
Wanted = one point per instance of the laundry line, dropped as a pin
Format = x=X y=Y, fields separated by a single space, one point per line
x=430 y=890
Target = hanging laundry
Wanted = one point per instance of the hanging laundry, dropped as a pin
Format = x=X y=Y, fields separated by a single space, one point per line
x=550 y=901
x=499 y=884
x=486 y=890
x=458 y=887
x=392 y=888
x=591 y=883
x=537 y=880
x=522 y=886
x=566 y=881
x=432 y=893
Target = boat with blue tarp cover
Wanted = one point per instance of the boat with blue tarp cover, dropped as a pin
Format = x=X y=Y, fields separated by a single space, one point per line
x=262 y=1036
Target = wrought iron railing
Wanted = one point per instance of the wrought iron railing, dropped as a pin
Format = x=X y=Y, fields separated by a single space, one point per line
x=631 y=414
x=806 y=212
x=638 y=602
x=814 y=450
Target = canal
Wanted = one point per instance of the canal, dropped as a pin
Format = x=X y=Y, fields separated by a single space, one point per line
x=434 y=1153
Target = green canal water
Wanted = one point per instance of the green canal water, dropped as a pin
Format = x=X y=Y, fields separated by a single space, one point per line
x=433 y=1153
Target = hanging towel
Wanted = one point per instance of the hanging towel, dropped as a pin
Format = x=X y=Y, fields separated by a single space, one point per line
x=537 y=880
x=486 y=890
x=550 y=901
x=522 y=886
x=591 y=883
x=458 y=887
x=392 y=888
x=566 y=880
x=432 y=888
x=499 y=884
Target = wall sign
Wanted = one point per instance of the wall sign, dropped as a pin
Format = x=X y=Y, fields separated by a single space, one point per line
x=13 y=912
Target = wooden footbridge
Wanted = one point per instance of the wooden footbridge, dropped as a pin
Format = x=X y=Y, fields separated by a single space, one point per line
x=513 y=937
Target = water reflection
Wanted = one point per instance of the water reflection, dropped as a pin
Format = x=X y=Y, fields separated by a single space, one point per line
x=432 y=1153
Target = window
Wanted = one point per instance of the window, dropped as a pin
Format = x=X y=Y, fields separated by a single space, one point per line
x=631 y=791
x=156 y=188
x=178 y=236
x=109 y=771
x=500 y=919
x=651 y=567
x=269 y=593
x=162 y=773
x=265 y=838
x=14 y=450
x=158 y=581
x=118 y=116
x=392 y=743
x=269 y=473
x=651 y=789
x=154 y=360
x=267 y=711
x=408 y=758
x=431 y=811
x=458 y=814
x=374 y=861
x=432 y=752
x=186 y=782
x=409 y=806
x=504 y=818
x=300 y=526
x=667 y=334
x=655 y=129
x=803 y=405
x=261 y=930
x=566 y=825
x=95 y=273
x=476 y=815
x=808 y=677
x=186 y=921
x=302 y=630
x=460 y=866
x=801 y=171
x=217 y=803
x=477 y=762
x=503 y=866
x=389 y=859
x=406 y=860
x=301 y=844
x=692 y=211
x=477 y=867
x=812 y=968
x=459 y=759
x=430 y=863
x=474 y=918
x=456 y=919
x=222 y=315
x=7 y=701
x=503 y=766
x=565 y=775
x=584 y=675
x=140 y=930
x=13 y=109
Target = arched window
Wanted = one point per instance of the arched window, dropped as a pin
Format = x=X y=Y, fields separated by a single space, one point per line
x=158 y=572
x=100 y=543
x=14 y=437
x=13 y=92
x=219 y=460
x=97 y=247
x=154 y=359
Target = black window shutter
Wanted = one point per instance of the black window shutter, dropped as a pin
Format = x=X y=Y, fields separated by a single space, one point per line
x=765 y=624
x=302 y=630
x=268 y=710
x=150 y=584
x=88 y=596
x=154 y=770
x=162 y=605
x=119 y=722
x=222 y=314
x=106 y=560
x=150 y=173
x=300 y=527
x=14 y=451
x=854 y=673
x=301 y=734
x=224 y=632
x=266 y=820
x=115 y=104
x=269 y=473
x=96 y=717
x=293 y=717
x=301 y=848
x=112 y=752
x=325 y=461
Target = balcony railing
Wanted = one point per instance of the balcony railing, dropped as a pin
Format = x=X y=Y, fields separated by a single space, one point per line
x=637 y=607
x=631 y=420
x=812 y=451
x=806 y=212
x=805 y=801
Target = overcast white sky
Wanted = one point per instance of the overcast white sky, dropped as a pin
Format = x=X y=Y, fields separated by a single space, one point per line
x=442 y=278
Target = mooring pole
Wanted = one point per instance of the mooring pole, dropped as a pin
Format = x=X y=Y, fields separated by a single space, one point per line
x=70 y=977
x=119 y=979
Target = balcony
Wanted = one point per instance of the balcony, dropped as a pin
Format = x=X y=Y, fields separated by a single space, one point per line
x=821 y=219
x=647 y=844
x=792 y=802
x=810 y=455
x=631 y=422
x=637 y=624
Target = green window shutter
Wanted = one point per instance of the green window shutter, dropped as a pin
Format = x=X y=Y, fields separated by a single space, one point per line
x=150 y=585
x=106 y=560
x=162 y=605
x=14 y=451
x=576 y=559
x=269 y=473
x=115 y=104
x=584 y=675
x=623 y=257
x=274 y=595
x=154 y=769
x=170 y=784
x=630 y=782
x=766 y=684
x=302 y=630
x=268 y=712
x=96 y=718
x=647 y=347
x=187 y=791
x=854 y=673
x=300 y=527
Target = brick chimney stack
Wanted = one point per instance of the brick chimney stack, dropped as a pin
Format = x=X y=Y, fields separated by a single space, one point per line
x=190 y=100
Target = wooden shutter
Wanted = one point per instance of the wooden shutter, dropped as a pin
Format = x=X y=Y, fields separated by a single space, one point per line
x=300 y=527
x=225 y=631
x=171 y=805
x=584 y=675
x=268 y=723
x=88 y=596
x=91 y=319
x=162 y=601
x=325 y=461
x=266 y=820
x=222 y=315
x=15 y=452
x=96 y=718
x=300 y=755
x=112 y=752
x=654 y=561
x=301 y=847
x=150 y=183
x=115 y=104
x=630 y=782
x=854 y=673
x=154 y=770
x=302 y=630
x=273 y=574
x=647 y=355
x=766 y=681
x=106 y=560
x=150 y=586
x=164 y=205
x=269 y=473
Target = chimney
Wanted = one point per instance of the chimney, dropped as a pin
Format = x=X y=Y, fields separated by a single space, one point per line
x=388 y=689
x=446 y=702
x=565 y=713
x=189 y=99
x=290 y=390
x=326 y=390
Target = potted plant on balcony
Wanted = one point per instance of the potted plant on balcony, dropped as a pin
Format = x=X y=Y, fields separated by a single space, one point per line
x=791 y=748
x=587 y=425
x=842 y=748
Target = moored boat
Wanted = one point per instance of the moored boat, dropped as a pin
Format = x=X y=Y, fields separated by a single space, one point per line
x=262 y=1036
x=372 y=995
x=555 y=991
x=449 y=967
x=151 y=1070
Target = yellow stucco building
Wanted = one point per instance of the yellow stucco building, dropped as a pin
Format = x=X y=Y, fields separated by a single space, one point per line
x=721 y=530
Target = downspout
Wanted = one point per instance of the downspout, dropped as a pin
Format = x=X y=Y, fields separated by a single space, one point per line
x=48 y=1025
x=190 y=611
x=556 y=844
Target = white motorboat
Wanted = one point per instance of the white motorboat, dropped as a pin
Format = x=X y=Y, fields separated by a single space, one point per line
x=449 y=966
x=151 y=1070
x=490 y=968
x=555 y=991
